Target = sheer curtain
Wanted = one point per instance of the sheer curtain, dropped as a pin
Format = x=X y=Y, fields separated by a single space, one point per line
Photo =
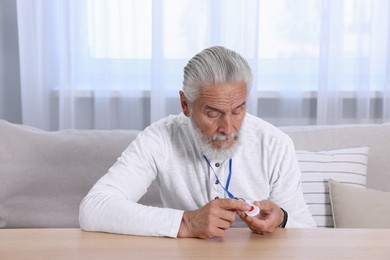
x=106 y=64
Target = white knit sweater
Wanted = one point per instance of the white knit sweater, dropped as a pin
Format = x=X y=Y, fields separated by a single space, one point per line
x=264 y=167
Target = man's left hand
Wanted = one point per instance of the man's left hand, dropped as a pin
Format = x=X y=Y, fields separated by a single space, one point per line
x=270 y=217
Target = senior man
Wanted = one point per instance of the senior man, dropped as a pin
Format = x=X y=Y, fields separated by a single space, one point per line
x=208 y=162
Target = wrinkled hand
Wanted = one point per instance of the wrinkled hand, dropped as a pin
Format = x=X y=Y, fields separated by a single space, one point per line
x=270 y=217
x=211 y=220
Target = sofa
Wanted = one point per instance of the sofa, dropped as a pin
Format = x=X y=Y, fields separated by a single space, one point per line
x=45 y=174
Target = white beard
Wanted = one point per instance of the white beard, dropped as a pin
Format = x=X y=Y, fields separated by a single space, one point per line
x=220 y=154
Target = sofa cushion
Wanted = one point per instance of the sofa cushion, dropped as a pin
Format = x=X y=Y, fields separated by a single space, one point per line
x=44 y=175
x=330 y=137
x=345 y=165
x=355 y=207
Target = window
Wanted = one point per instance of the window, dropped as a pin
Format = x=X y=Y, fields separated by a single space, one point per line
x=284 y=40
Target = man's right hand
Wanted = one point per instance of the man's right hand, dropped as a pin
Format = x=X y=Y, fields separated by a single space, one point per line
x=211 y=220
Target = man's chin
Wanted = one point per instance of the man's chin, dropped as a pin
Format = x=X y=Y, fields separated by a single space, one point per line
x=221 y=153
x=223 y=144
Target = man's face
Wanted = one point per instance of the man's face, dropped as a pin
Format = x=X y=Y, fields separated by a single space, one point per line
x=218 y=113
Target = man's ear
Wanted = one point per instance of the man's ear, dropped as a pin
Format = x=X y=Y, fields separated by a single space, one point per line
x=185 y=107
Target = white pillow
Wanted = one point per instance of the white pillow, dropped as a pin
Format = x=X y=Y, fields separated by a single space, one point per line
x=347 y=165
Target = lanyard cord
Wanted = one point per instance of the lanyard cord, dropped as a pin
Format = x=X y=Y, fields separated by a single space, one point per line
x=226 y=188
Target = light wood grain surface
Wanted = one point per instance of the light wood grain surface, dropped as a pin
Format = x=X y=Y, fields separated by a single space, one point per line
x=237 y=244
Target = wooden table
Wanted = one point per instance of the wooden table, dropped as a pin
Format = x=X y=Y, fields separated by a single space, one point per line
x=237 y=244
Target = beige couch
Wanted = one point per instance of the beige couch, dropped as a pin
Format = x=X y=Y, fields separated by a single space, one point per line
x=44 y=175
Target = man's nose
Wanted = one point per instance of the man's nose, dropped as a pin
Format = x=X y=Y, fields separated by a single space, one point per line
x=226 y=125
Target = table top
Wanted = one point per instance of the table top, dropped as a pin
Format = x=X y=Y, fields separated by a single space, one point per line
x=239 y=243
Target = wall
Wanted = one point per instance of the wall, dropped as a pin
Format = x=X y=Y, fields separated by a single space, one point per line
x=10 y=104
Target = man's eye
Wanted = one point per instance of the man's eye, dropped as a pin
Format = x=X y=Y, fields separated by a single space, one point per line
x=213 y=114
x=237 y=111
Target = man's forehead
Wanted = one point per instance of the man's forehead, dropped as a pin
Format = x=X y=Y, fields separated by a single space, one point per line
x=222 y=97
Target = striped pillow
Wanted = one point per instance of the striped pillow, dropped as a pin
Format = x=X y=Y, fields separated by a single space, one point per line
x=343 y=165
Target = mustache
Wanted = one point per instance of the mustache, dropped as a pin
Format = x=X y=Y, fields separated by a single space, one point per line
x=233 y=136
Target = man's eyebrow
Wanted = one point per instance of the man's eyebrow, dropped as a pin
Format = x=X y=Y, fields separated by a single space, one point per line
x=213 y=108
x=221 y=111
x=242 y=104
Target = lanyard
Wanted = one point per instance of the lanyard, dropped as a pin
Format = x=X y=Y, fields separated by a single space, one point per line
x=226 y=188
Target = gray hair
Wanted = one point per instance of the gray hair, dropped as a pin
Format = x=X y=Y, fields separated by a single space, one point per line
x=215 y=66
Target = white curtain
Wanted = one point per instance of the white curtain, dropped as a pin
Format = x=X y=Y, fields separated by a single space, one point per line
x=106 y=64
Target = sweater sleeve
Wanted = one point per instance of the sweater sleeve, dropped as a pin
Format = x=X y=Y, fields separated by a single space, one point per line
x=111 y=205
x=107 y=210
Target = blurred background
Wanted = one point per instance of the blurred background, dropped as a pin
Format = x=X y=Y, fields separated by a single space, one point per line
x=118 y=64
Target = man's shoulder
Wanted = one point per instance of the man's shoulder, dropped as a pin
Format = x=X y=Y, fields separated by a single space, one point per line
x=260 y=127
x=171 y=121
x=163 y=133
x=257 y=124
x=168 y=125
